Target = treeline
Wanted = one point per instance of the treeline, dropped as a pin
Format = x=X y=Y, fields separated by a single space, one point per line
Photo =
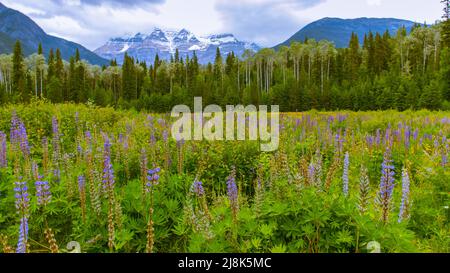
x=404 y=71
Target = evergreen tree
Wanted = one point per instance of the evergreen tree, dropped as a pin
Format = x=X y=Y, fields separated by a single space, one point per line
x=51 y=65
x=177 y=56
x=354 y=57
x=156 y=64
x=431 y=97
x=218 y=64
x=18 y=74
x=446 y=24
x=80 y=81
x=129 y=79
x=72 y=94
x=40 y=49
x=59 y=65
x=77 y=55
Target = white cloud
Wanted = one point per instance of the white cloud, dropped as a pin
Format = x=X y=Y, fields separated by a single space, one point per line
x=268 y=22
x=24 y=8
x=374 y=2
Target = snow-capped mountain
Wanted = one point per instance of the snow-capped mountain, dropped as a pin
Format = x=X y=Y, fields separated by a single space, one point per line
x=165 y=42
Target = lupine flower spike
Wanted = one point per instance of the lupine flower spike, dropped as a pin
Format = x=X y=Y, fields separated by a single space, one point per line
x=384 y=197
x=233 y=194
x=22 y=206
x=152 y=181
x=404 y=213
x=345 y=174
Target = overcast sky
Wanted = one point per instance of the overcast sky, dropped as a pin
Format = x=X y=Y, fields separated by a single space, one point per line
x=267 y=22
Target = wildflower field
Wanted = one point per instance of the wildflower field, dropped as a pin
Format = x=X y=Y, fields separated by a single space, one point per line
x=106 y=180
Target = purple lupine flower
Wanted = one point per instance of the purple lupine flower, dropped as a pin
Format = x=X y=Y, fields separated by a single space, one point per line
x=405 y=204
x=378 y=137
x=345 y=174
x=43 y=193
x=436 y=143
x=369 y=141
x=152 y=178
x=232 y=191
x=14 y=132
x=22 y=197
x=165 y=135
x=57 y=175
x=386 y=185
x=318 y=169
x=330 y=120
x=88 y=138
x=19 y=135
x=342 y=118
x=339 y=142
x=22 y=206
x=407 y=137
x=416 y=134
x=77 y=118
x=108 y=172
x=23 y=236
x=180 y=143
x=445 y=151
x=120 y=140
x=387 y=136
x=81 y=183
x=56 y=142
x=35 y=169
x=79 y=149
x=149 y=121
x=126 y=143
x=197 y=188
x=24 y=146
x=3 y=160
x=311 y=173
x=55 y=131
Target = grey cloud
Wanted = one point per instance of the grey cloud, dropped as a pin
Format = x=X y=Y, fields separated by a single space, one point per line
x=122 y=3
x=306 y=3
x=267 y=23
x=51 y=8
x=52 y=16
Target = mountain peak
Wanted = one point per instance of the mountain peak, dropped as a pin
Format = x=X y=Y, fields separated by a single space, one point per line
x=166 y=42
x=339 y=30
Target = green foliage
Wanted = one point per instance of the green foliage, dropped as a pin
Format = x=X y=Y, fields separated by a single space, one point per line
x=281 y=209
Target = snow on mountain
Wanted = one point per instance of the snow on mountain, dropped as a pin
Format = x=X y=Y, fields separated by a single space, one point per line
x=144 y=47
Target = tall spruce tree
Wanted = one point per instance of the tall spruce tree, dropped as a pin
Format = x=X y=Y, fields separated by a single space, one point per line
x=446 y=23
x=51 y=65
x=40 y=49
x=19 y=82
x=445 y=56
